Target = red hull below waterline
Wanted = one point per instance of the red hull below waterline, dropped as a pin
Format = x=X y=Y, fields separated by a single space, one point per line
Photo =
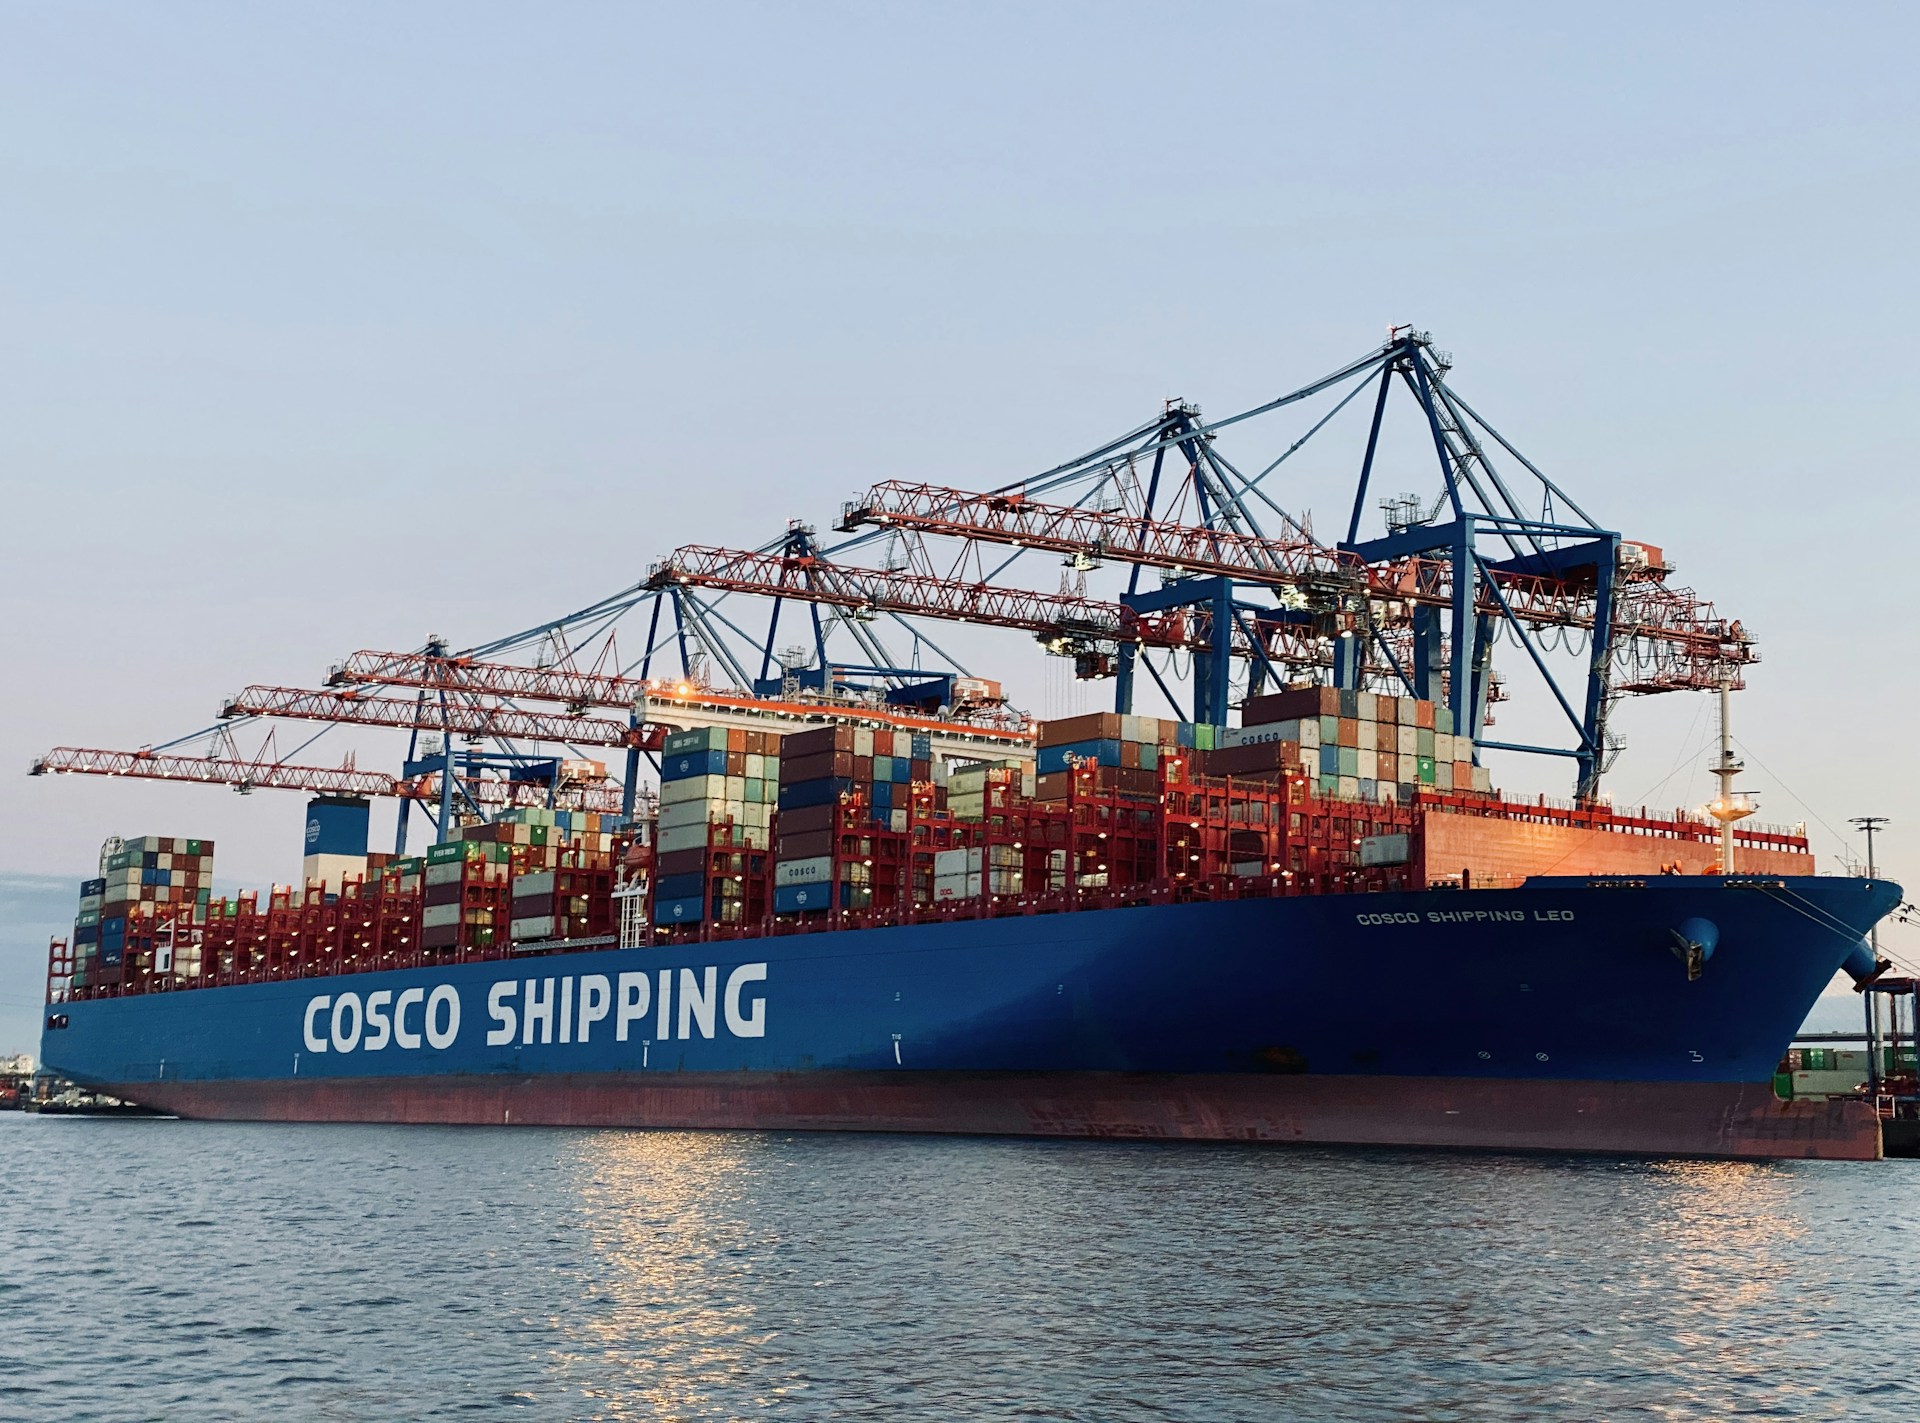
x=1707 y=1119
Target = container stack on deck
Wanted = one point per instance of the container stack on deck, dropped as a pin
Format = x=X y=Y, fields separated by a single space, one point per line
x=148 y=879
x=718 y=788
x=1318 y=791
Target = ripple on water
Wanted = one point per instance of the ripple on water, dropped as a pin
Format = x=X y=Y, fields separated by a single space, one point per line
x=424 y=1273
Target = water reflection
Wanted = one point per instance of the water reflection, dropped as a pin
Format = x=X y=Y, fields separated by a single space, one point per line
x=417 y=1273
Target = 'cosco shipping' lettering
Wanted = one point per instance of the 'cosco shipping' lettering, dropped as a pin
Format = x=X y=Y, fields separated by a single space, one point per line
x=654 y=1005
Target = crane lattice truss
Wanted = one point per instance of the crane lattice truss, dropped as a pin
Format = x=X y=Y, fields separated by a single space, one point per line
x=1065 y=622
x=1415 y=608
x=245 y=776
x=455 y=718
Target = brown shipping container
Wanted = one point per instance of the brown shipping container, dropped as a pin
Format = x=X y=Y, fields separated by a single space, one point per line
x=1290 y=705
x=1423 y=715
x=1130 y=755
x=1093 y=726
x=441 y=936
x=922 y=770
x=736 y=741
x=820 y=738
x=815 y=767
x=681 y=862
x=737 y=760
x=804 y=818
x=1054 y=785
x=807 y=845
x=1246 y=760
x=1349 y=734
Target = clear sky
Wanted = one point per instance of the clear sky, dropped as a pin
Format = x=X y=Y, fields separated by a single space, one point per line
x=327 y=327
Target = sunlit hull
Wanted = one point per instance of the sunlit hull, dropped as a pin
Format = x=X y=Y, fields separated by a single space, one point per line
x=1554 y=1017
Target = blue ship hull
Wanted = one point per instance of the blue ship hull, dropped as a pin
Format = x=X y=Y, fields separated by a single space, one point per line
x=1558 y=1015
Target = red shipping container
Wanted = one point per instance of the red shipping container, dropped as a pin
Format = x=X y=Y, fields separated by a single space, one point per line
x=682 y=862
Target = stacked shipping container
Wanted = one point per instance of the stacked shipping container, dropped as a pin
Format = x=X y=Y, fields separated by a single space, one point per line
x=718 y=790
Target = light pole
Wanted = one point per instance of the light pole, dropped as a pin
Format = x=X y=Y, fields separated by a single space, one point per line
x=1871 y=823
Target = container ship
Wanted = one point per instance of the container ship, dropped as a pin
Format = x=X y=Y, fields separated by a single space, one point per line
x=869 y=898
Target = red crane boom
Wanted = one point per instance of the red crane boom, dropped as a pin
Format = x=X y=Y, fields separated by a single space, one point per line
x=353 y=708
x=315 y=780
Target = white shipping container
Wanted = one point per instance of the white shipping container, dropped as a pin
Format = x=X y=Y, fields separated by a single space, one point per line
x=863 y=741
x=1367 y=738
x=903 y=745
x=950 y=862
x=688 y=812
x=1483 y=778
x=533 y=884
x=1349 y=788
x=897 y=822
x=756 y=766
x=734 y=810
x=754 y=837
x=1369 y=708
x=1407 y=741
x=736 y=788
x=1003 y=881
x=955 y=887
x=1001 y=855
x=693 y=788
x=1369 y=762
x=682 y=837
x=814 y=871
x=449 y=873
x=540 y=927
x=438 y=916
x=1443 y=776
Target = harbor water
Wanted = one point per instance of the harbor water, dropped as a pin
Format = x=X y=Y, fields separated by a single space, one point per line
x=154 y=1269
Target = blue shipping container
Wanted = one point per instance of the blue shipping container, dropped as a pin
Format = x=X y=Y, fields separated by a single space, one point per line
x=690 y=910
x=1061 y=758
x=92 y=886
x=1329 y=760
x=801 y=898
x=112 y=954
x=336 y=825
x=688 y=886
x=923 y=748
x=883 y=795
x=693 y=763
x=902 y=771
x=87 y=934
x=825 y=791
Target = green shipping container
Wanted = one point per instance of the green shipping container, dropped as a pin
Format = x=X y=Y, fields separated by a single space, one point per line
x=1203 y=737
x=446 y=853
x=1426 y=770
